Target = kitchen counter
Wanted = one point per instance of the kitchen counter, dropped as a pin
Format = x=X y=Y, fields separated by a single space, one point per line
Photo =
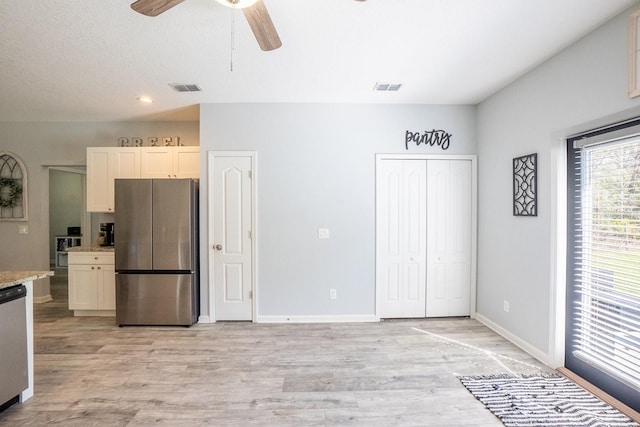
x=26 y=278
x=91 y=249
x=12 y=278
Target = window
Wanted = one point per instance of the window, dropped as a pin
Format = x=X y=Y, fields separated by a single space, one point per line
x=603 y=283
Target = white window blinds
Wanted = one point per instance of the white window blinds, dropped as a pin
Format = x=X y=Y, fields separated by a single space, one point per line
x=605 y=239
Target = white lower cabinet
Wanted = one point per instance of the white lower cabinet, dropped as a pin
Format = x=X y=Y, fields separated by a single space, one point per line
x=92 y=284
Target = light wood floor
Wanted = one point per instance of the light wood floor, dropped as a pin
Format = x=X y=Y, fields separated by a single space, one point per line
x=402 y=372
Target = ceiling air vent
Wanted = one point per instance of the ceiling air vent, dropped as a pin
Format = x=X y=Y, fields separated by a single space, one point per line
x=185 y=88
x=387 y=87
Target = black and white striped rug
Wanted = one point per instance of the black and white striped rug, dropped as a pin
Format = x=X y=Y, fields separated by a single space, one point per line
x=542 y=400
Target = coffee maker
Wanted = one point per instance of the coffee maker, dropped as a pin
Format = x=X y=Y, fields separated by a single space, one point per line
x=106 y=229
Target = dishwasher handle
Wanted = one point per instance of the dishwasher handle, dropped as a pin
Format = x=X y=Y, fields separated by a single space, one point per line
x=12 y=293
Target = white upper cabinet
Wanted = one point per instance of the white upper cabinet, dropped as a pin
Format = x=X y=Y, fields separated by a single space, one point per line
x=170 y=162
x=186 y=162
x=105 y=164
x=157 y=162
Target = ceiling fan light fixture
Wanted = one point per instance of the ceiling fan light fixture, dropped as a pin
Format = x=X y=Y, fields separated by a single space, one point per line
x=237 y=4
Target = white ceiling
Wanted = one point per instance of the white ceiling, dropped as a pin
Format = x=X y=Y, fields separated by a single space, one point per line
x=88 y=60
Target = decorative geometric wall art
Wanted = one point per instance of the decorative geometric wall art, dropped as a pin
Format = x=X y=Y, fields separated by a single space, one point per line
x=525 y=185
x=13 y=188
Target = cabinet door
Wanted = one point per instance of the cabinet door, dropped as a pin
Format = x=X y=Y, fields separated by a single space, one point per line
x=107 y=297
x=83 y=287
x=125 y=163
x=186 y=162
x=99 y=176
x=156 y=162
x=104 y=164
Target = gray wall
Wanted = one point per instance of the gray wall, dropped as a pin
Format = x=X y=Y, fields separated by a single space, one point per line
x=576 y=90
x=316 y=168
x=42 y=144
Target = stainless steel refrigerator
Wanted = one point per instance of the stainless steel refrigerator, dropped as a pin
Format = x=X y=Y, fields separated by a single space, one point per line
x=156 y=251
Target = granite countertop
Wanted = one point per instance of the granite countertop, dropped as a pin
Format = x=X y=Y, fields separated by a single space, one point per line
x=90 y=249
x=11 y=278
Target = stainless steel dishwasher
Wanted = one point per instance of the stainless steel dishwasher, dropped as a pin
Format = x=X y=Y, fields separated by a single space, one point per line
x=13 y=345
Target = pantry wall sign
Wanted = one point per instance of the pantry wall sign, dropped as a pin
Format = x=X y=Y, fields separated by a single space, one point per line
x=434 y=137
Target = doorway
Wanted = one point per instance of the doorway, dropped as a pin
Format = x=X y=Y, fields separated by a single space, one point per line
x=67 y=208
x=425 y=236
x=232 y=238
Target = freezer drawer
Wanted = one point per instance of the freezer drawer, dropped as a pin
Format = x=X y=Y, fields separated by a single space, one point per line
x=156 y=299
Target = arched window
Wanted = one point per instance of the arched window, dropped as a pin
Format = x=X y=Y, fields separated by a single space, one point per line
x=13 y=188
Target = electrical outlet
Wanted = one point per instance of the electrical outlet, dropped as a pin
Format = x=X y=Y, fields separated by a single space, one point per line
x=23 y=229
x=323 y=233
x=333 y=294
x=506 y=306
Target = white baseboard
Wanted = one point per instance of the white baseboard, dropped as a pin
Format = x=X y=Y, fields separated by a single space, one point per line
x=318 y=319
x=204 y=319
x=533 y=351
x=40 y=300
x=94 y=313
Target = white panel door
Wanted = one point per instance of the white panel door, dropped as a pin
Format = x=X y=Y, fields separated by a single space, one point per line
x=401 y=238
x=232 y=234
x=449 y=237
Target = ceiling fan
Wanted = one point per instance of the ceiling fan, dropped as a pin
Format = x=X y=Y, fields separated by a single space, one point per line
x=255 y=12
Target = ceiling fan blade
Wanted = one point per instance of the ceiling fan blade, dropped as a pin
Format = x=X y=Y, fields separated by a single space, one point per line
x=154 y=7
x=262 y=26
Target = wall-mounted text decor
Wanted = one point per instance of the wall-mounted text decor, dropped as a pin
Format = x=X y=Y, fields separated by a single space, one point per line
x=433 y=137
x=152 y=141
x=525 y=185
x=13 y=188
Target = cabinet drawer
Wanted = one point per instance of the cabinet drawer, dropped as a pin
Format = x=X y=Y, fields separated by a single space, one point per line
x=91 y=257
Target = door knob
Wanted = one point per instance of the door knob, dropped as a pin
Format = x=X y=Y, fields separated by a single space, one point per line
x=218 y=247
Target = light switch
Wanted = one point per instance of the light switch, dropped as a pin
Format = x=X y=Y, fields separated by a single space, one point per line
x=23 y=229
x=323 y=233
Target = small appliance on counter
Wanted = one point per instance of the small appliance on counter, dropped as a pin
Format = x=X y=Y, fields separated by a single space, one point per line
x=106 y=230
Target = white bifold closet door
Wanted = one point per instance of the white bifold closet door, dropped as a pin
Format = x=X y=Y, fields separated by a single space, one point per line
x=448 y=237
x=402 y=239
x=423 y=235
